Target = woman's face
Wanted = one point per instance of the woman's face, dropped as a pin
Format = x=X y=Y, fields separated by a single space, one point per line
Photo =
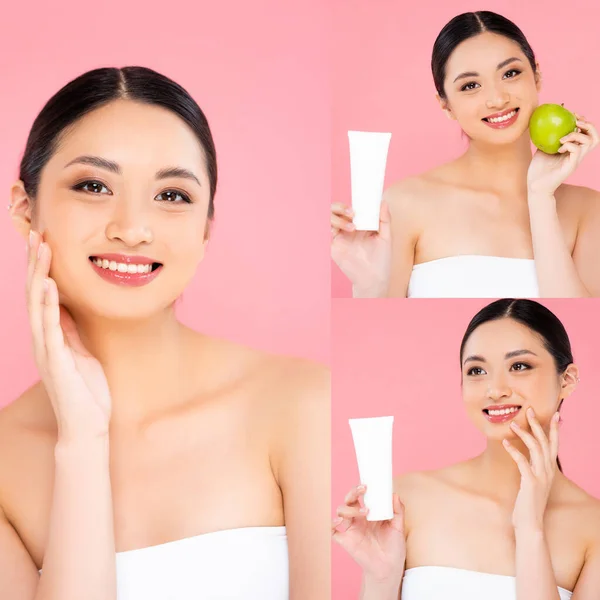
x=486 y=75
x=506 y=369
x=128 y=179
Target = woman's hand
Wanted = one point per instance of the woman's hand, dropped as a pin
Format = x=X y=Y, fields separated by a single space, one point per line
x=377 y=546
x=548 y=171
x=363 y=256
x=537 y=475
x=73 y=378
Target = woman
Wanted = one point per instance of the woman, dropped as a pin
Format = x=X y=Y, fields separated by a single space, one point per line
x=494 y=222
x=505 y=524
x=184 y=456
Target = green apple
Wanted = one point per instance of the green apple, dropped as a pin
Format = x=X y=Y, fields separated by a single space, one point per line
x=549 y=123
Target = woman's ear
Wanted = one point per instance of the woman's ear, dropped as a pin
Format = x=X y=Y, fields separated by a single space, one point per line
x=569 y=381
x=538 y=77
x=20 y=209
x=444 y=106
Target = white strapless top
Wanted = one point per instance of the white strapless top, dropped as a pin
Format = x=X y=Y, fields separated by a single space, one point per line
x=474 y=276
x=249 y=563
x=448 y=583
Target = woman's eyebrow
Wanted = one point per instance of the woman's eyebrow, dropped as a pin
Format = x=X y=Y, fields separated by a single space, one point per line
x=475 y=74
x=518 y=353
x=512 y=354
x=473 y=358
x=113 y=167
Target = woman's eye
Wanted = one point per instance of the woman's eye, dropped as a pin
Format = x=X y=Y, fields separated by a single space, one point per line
x=475 y=371
x=520 y=367
x=173 y=196
x=467 y=87
x=93 y=187
x=515 y=71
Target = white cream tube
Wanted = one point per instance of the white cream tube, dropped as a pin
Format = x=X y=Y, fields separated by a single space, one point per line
x=373 y=445
x=368 y=157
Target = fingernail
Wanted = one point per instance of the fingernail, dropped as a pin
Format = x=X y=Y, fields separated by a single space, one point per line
x=514 y=425
x=40 y=250
x=364 y=511
x=506 y=442
x=530 y=412
x=31 y=237
x=556 y=417
x=361 y=488
x=349 y=212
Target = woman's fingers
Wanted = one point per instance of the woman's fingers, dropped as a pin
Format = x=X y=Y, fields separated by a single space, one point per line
x=571 y=148
x=537 y=430
x=521 y=461
x=554 y=438
x=351 y=512
x=398 y=520
x=588 y=128
x=53 y=335
x=342 y=210
x=342 y=223
x=36 y=300
x=535 y=451
x=353 y=496
x=579 y=138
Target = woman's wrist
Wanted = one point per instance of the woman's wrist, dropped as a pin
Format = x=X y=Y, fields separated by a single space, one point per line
x=377 y=291
x=381 y=589
x=69 y=449
x=544 y=197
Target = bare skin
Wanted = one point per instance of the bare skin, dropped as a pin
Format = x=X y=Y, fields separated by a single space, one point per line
x=212 y=455
x=143 y=431
x=508 y=511
x=494 y=200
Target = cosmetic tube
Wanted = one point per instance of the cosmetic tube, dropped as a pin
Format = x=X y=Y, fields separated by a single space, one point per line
x=373 y=445
x=368 y=157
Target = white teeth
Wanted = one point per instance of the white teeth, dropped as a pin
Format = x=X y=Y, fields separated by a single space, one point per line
x=122 y=267
x=504 y=411
x=510 y=115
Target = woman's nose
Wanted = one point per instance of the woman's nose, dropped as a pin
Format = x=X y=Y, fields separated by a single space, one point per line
x=129 y=224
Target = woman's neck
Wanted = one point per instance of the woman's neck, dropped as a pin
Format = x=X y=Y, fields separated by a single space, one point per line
x=501 y=169
x=144 y=361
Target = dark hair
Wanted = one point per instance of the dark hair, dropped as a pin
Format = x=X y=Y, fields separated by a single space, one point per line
x=468 y=25
x=535 y=317
x=97 y=88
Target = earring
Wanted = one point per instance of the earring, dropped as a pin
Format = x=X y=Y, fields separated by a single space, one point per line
x=9 y=206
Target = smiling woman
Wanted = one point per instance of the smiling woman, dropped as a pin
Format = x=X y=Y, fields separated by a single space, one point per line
x=161 y=463
x=496 y=221
x=503 y=524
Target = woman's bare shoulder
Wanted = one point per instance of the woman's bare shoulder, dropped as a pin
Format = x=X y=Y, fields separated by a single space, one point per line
x=577 y=199
x=275 y=377
x=423 y=482
x=30 y=412
x=419 y=192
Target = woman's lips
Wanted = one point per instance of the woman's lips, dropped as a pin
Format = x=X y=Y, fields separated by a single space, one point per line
x=513 y=411
x=504 y=124
x=128 y=279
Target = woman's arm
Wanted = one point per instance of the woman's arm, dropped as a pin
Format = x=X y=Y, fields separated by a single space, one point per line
x=404 y=232
x=303 y=469
x=18 y=575
x=535 y=577
x=79 y=560
x=588 y=582
x=558 y=275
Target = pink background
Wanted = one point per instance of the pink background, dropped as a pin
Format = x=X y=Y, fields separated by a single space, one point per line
x=382 y=79
x=260 y=72
x=401 y=358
